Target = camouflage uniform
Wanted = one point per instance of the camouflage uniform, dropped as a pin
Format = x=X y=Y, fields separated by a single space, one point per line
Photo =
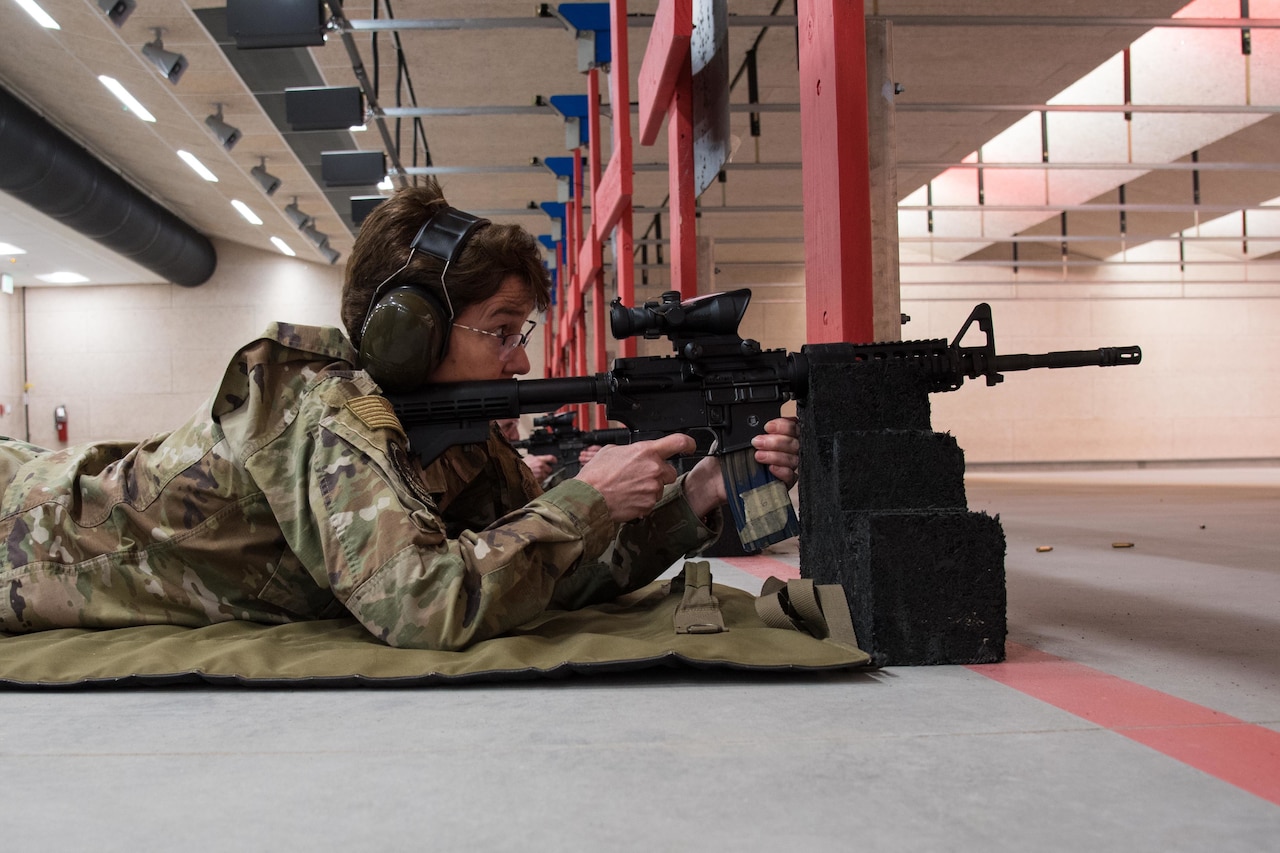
x=293 y=496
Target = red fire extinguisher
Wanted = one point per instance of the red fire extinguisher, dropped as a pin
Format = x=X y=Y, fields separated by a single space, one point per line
x=60 y=421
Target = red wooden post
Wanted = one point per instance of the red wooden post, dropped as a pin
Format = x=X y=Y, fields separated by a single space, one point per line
x=680 y=177
x=666 y=84
x=836 y=176
x=620 y=101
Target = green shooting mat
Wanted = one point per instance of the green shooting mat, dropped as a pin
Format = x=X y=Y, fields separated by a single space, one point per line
x=634 y=632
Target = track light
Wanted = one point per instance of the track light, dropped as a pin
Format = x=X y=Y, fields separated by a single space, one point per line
x=118 y=11
x=320 y=239
x=296 y=216
x=330 y=254
x=227 y=135
x=171 y=64
x=269 y=182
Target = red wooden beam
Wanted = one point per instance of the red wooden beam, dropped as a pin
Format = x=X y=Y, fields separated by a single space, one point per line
x=680 y=177
x=836 y=176
x=667 y=49
x=620 y=100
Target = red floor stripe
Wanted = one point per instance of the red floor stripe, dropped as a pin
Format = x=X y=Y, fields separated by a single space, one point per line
x=1243 y=754
x=762 y=567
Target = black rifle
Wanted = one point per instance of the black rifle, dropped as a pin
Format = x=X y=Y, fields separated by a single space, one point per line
x=717 y=387
x=555 y=435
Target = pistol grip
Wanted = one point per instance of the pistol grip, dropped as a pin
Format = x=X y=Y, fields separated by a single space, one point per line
x=760 y=502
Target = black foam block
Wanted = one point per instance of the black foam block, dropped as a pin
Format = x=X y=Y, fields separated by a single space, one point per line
x=886 y=470
x=845 y=395
x=924 y=587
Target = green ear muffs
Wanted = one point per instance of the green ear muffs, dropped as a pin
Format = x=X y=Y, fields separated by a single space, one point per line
x=405 y=338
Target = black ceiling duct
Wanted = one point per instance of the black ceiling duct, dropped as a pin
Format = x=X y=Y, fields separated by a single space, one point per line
x=47 y=170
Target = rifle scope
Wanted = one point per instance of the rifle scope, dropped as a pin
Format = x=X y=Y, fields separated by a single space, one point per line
x=715 y=314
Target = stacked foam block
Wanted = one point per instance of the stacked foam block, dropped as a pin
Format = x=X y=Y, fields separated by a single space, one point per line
x=883 y=513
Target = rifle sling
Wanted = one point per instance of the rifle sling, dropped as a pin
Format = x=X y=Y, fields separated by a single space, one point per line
x=820 y=610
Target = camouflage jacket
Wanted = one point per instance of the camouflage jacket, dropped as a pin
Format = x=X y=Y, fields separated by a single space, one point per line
x=293 y=495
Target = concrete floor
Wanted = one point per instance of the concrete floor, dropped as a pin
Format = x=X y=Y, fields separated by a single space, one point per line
x=903 y=759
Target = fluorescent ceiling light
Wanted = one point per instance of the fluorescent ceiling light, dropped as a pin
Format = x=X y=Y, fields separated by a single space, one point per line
x=63 y=278
x=358 y=128
x=10 y=249
x=129 y=101
x=200 y=168
x=385 y=183
x=246 y=212
x=42 y=17
x=284 y=247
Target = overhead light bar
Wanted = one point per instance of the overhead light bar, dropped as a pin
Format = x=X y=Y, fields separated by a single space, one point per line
x=200 y=168
x=284 y=247
x=123 y=96
x=226 y=135
x=41 y=17
x=269 y=182
x=171 y=65
x=246 y=212
x=10 y=249
x=118 y=11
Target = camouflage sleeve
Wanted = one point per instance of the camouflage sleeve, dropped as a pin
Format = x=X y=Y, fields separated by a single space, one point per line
x=642 y=550
x=348 y=502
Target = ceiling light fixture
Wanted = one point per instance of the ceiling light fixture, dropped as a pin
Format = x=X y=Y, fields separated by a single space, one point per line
x=319 y=238
x=296 y=216
x=10 y=249
x=171 y=64
x=63 y=278
x=246 y=212
x=122 y=95
x=118 y=11
x=42 y=17
x=226 y=135
x=284 y=247
x=200 y=168
x=269 y=182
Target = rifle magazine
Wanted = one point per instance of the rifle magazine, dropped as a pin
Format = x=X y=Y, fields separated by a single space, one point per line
x=760 y=502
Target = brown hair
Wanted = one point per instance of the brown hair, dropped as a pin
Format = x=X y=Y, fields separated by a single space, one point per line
x=492 y=253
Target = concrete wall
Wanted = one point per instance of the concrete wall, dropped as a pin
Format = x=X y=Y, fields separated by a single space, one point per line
x=128 y=361
x=11 y=420
x=1206 y=389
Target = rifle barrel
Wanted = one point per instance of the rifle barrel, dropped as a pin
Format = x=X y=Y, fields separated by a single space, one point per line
x=1104 y=357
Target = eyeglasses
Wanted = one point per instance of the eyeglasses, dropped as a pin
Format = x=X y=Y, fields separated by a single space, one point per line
x=509 y=343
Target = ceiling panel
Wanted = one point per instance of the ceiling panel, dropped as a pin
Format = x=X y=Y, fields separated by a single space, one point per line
x=951 y=64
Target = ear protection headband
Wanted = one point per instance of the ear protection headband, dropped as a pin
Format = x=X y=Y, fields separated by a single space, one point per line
x=406 y=331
